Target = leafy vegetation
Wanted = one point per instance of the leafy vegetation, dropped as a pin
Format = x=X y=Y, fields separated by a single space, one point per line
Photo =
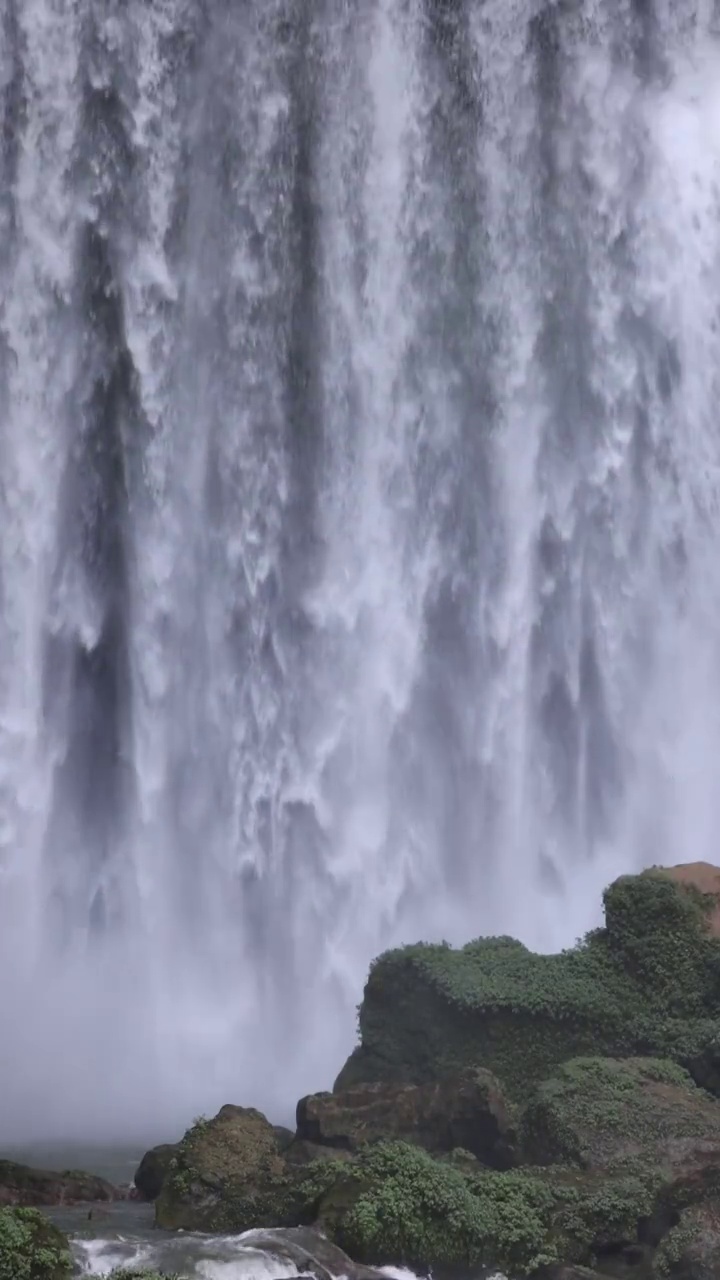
x=593 y=1109
x=398 y=1205
x=31 y=1248
x=646 y=983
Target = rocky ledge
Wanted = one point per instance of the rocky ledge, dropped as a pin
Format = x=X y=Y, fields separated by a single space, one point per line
x=22 y=1185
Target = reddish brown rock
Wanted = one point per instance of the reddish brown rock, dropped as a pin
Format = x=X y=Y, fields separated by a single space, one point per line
x=467 y=1112
x=702 y=876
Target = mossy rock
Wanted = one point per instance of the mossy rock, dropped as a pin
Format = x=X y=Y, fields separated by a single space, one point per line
x=229 y=1175
x=31 y=1247
x=467 y=1111
x=648 y=983
x=691 y=1250
x=397 y=1205
x=593 y=1111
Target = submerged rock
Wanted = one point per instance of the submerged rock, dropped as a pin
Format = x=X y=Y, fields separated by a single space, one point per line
x=31 y=1248
x=468 y=1112
x=312 y=1253
x=22 y=1185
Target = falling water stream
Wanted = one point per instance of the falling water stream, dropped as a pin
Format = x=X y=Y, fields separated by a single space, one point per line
x=359 y=512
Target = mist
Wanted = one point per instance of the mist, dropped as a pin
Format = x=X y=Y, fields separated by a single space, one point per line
x=359 y=494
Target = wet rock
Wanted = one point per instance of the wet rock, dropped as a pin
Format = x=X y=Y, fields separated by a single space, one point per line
x=311 y=1253
x=467 y=1112
x=228 y=1175
x=283 y=1137
x=22 y=1185
x=152 y=1170
x=301 y=1152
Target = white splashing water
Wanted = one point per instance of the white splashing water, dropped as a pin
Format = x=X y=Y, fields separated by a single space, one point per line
x=359 y=485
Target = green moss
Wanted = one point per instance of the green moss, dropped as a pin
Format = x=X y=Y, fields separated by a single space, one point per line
x=31 y=1248
x=647 y=983
x=228 y=1175
x=593 y=1110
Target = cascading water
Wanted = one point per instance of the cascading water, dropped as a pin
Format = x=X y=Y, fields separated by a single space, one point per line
x=359 y=509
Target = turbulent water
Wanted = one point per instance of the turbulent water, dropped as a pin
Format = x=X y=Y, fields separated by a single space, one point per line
x=359 y=511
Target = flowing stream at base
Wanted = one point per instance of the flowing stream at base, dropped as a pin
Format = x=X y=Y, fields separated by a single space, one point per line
x=359 y=513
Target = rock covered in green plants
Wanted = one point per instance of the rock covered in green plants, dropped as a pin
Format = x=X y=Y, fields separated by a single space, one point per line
x=22 y=1185
x=229 y=1174
x=396 y=1204
x=647 y=983
x=594 y=1111
x=31 y=1248
x=467 y=1112
x=691 y=1250
x=153 y=1168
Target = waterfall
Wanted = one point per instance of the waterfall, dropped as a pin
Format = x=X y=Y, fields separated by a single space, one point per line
x=359 y=512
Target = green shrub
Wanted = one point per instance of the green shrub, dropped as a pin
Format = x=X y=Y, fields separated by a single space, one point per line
x=31 y=1248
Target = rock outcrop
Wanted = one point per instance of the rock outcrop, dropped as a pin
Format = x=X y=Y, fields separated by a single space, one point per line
x=467 y=1112
x=24 y=1186
x=230 y=1174
x=647 y=983
x=153 y=1168
x=548 y=1116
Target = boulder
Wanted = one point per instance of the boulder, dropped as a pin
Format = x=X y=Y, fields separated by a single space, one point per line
x=594 y=1112
x=647 y=983
x=22 y=1185
x=468 y=1112
x=152 y=1170
x=31 y=1247
x=229 y=1175
x=310 y=1252
x=703 y=877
